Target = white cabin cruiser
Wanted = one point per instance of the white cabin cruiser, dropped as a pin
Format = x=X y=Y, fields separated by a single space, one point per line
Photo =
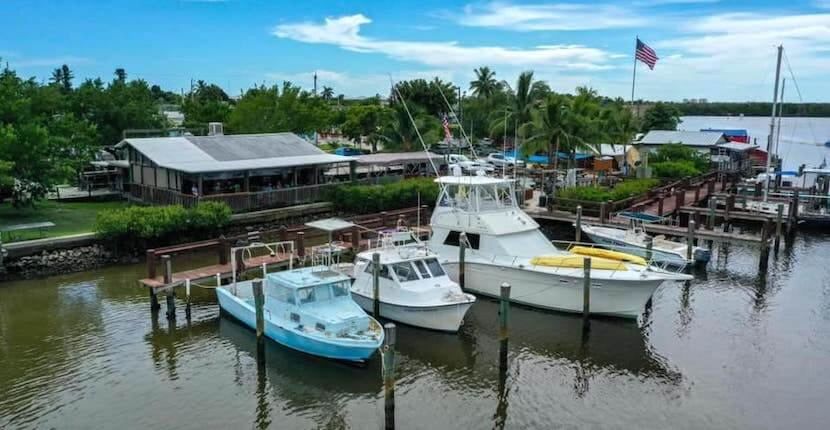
x=504 y=244
x=413 y=287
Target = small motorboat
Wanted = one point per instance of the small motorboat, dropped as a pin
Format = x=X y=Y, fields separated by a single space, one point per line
x=632 y=240
x=414 y=288
x=308 y=309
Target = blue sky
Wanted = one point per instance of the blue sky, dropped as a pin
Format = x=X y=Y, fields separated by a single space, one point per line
x=719 y=50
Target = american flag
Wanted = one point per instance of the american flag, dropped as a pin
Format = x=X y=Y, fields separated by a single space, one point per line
x=446 y=123
x=645 y=54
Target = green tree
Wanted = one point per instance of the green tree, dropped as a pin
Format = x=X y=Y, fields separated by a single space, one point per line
x=327 y=93
x=400 y=133
x=206 y=103
x=522 y=100
x=485 y=83
x=276 y=109
x=661 y=116
x=547 y=127
x=366 y=121
x=620 y=125
x=120 y=75
x=62 y=77
x=426 y=94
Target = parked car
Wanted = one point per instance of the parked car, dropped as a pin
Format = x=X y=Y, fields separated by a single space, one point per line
x=498 y=159
x=467 y=164
x=440 y=148
x=347 y=151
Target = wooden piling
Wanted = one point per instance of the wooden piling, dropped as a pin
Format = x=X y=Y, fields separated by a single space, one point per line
x=586 y=293
x=300 y=244
x=259 y=305
x=711 y=220
x=171 y=293
x=765 y=232
x=649 y=248
x=794 y=211
x=603 y=211
x=697 y=193
x=151 y=263
x=578 y=226
x=660 y=198
x=710 y=187
x=504 y=311
x=779 y=219
x=376 y=285
x=690 y=240
x=383 y=219
x=462 y=266
x=187 y=299
x=355 y=239
x=388 y=351
x=223 y=250
x=154 y=301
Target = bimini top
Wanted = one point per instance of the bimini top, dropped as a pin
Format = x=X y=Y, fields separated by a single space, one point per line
x=307 y=277
x=471 y=180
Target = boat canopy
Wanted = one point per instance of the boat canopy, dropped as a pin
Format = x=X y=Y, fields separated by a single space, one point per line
x=476 y=193
x=641 y=216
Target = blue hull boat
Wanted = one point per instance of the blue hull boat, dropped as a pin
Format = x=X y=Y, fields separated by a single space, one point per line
x=310 y=310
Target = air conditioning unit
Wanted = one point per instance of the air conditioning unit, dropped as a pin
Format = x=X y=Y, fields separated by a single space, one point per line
x=215 y=129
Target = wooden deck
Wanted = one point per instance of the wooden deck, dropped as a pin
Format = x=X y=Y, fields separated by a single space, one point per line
x=209 y=272
x=690 y=196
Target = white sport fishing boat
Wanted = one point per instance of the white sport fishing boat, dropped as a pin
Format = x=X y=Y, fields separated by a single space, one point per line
x=504 y=244
x=414 y=288
x=633 y=240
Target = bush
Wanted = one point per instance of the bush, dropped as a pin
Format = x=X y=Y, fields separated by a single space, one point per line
x=678 y=152
x=137 y=226
x=675 y=169
x=621 y=191
x=361 y=199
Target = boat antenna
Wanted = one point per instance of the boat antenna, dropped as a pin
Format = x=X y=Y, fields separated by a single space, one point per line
x=504 y=147
x=457 y=121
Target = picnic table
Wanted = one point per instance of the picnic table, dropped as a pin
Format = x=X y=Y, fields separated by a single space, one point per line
x=40 y=226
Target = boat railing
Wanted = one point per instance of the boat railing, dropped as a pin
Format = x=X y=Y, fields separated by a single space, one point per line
x=277 y=251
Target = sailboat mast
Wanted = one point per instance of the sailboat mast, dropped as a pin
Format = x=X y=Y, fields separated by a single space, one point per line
x=780 y=114
x=772 y=121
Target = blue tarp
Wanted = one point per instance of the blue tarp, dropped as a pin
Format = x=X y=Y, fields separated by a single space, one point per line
x=543 y=159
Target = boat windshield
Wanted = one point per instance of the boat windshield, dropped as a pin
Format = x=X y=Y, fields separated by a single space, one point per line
x=282 y=294
x=340 y=289
x=404 y=271
x=422 y=268
x=435 y=267
x=478 y=197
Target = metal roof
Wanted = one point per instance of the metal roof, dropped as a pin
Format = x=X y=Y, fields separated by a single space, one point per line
x=728 y=132
x=689 y=138
x=399 y=158
x=471 y=180
x=737 y=147
x=222 y=153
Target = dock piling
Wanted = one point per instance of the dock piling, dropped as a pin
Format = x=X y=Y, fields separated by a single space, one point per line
x=300 y=244
x=388 y=355
x=578 y=225
x=171 y=293
x=376 y=285
x=779 y=219
x=766 y=230
x=504 y=311
x=187 y=298
x=259 y=305
x=649 y=248
x=264 y=270
x=462 y=252
x=151 y=263
x=690 y=240
x=660 y=199
x=586 y=294
x=711 y=220
x=603 y=212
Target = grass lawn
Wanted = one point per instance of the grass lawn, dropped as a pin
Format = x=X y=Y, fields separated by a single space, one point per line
x=68 y=217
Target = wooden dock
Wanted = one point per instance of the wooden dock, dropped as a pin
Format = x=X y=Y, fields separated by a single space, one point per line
x=667 y=230
x=209 y=272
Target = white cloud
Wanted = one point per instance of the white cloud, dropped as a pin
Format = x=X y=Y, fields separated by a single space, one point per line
x=548 y=17
x=344 y=32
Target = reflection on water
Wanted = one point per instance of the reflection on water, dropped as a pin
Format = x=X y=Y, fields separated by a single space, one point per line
x=731 y=349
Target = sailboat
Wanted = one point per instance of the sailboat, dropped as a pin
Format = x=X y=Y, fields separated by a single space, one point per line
x=504 y=244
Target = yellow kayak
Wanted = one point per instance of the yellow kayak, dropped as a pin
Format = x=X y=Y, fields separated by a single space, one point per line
x=608 y=254
x=576 y=261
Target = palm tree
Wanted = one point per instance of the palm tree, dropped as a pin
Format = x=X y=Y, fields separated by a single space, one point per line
x=522 y=101
x=485 y=83
x=546 y=128
x=328 y=93
x=620 y=126
x=583 y=125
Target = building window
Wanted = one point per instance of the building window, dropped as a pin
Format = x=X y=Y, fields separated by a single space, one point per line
x=454 y=236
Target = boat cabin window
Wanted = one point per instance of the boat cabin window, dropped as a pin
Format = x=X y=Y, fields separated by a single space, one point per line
x=322 y=293
x=435 y=267
x=422 y=268
x=283 y=294
x=340 y=289
x=453 y=238
x=458 y=196
x=405 y=272
x=384 y=270
x=306 y=295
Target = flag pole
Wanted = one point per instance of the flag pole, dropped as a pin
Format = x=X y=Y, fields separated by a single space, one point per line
x=634 y=74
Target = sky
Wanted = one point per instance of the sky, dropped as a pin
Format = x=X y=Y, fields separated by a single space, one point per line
x=718 y=50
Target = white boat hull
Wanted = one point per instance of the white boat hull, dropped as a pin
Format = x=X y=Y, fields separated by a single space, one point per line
x=446 y=317
x=619 y=298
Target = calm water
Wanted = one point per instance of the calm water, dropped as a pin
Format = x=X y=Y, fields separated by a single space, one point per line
x=801 y=141
x=730 y=350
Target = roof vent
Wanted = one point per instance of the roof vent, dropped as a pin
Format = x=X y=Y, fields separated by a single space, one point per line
x=215 y=129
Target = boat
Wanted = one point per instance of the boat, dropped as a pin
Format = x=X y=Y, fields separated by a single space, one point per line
x=633 y=240
x=308 y=309
x=502 y=242
x=413 y=287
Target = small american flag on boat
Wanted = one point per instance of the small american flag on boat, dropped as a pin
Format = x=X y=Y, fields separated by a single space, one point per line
x=645 y=54
x=446 y=123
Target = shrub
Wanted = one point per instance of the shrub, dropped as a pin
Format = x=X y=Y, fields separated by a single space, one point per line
x=678 y=152
x=675 y=169
x=360 y=199
x=621 y=191
x=136 y=226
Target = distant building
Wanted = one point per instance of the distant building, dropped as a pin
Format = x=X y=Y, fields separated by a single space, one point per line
x=247 y=171
x=701 y=141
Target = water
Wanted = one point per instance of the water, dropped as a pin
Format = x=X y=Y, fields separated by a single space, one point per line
x=731 y=350
x=802 y=139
